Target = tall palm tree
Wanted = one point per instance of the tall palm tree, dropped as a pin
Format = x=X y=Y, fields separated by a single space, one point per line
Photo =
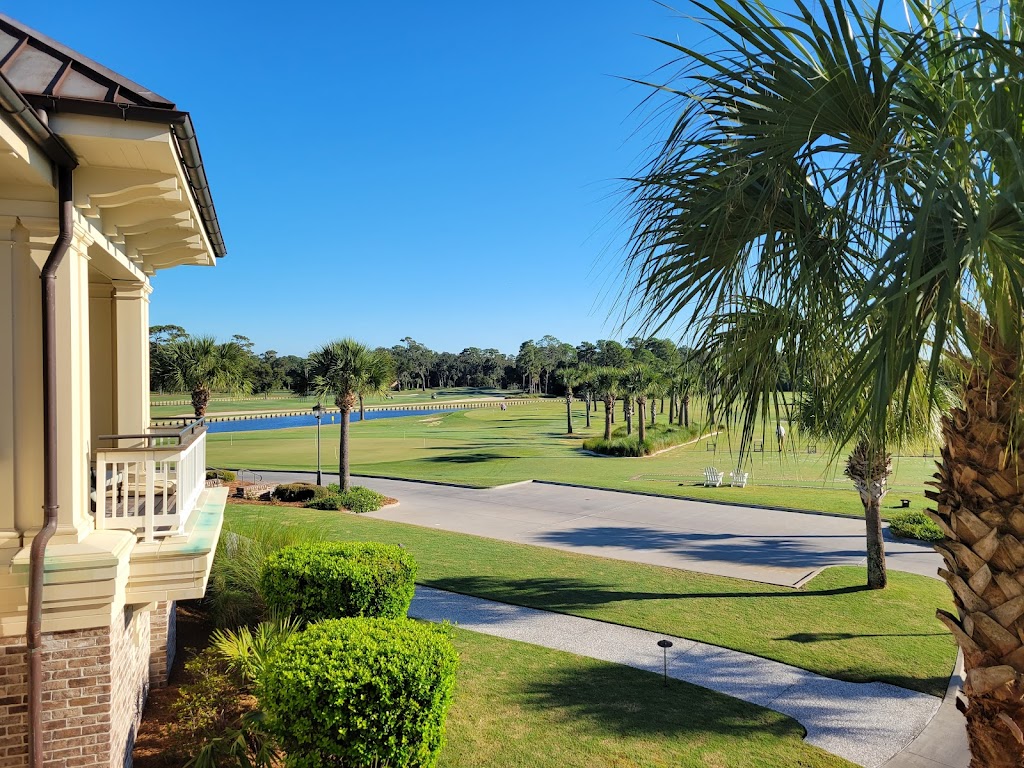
x=606 y=384
x=342 y=370
x=829 y=154
x=570 y=376
x=198 y=364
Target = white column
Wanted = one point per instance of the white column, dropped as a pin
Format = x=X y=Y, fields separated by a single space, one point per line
x=74 y=433
x=131 y=343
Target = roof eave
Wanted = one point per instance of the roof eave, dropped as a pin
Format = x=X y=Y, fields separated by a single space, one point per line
x=22 y=112
x=184 y=135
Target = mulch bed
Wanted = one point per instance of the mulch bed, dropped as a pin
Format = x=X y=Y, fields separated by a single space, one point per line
x=154 y=744
x=233 y=499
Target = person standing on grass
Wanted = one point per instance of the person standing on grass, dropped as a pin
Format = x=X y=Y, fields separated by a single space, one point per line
x=780 y=433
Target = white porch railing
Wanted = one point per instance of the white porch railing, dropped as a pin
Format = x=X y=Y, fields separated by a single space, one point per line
x=150 y=483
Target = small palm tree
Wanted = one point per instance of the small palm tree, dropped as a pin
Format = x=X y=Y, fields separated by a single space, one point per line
x=342 y=370
x=198 y=364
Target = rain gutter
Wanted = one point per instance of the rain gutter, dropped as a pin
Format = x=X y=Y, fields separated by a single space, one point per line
x=34 y=123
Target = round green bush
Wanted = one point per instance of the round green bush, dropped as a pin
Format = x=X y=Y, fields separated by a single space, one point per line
x=361 y=693
x=221 y=474
x=334 y=580
x=914 y=524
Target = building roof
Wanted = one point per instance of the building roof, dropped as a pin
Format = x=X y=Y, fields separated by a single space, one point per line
x=51 y=76
x=39 y=66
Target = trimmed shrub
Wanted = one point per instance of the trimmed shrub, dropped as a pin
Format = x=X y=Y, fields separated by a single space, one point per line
x=358 y=499
x=339 y=579
x=361 y=693
x=221 y=474
x=299 y=492
x=332 y=502
x=914 y=524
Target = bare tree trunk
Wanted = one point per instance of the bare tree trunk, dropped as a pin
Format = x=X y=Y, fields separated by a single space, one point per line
x=684 y=412
x=362 y=409
x=588 y=410
x=568 y=409
x=672 y=408
x=652 y=413
x=609 y=414
x=627 y=407
x=642 y=421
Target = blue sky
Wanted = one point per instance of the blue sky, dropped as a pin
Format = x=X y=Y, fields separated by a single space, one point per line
x=440 y=170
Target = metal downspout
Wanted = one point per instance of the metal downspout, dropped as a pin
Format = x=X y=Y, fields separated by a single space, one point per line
x=37 y=555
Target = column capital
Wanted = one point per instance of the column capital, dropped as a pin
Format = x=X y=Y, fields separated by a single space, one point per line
x=131 y=289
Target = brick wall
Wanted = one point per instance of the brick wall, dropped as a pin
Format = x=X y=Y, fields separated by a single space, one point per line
x=162 y=627
x=94 y=686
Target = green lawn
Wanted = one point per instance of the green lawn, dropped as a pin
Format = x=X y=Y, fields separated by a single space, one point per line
x=521 y=706
x=486 y=447
x=285 y=401
x=833 y=626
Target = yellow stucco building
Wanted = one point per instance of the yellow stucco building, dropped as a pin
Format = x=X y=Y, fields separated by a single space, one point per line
x=101 y=185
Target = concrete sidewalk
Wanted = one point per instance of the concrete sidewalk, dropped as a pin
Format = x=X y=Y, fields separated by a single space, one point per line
x=866 y=723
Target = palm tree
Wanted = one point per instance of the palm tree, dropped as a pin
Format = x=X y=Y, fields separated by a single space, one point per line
x=342 y=370
x=828 y=154
x=637 y=381
x=606 y=384
x=198 y=364
x=570 y=377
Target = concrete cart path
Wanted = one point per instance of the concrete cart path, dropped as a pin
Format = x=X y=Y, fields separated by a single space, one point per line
x=766 y=545
x=866 y=723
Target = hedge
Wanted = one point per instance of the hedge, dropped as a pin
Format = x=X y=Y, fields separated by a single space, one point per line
x=221 y=474
x=333 y=580
x=914 y=525
x=361 y=693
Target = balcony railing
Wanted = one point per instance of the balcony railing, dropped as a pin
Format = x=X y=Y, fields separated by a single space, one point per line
x=150 y=483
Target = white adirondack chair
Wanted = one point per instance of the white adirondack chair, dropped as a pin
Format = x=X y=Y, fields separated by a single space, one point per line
x=712 y=477
x=738 y=479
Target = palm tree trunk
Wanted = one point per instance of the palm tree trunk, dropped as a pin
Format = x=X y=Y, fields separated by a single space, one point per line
x=588 y=410
x=684 y=415
x=362 y=410
x=672 y=408
x=568 y=410
x=609 y=414
x=979 y=495
x=642 y=422
x=343 y=474
x=652 y=411
x=627 y=407
x=869 y=467
x=200 y=399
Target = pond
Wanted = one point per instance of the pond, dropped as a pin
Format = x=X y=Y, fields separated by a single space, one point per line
x=306 y=420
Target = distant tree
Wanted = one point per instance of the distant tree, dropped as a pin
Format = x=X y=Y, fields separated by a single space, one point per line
x=611 y=354
x=529 y=364
x=637 y=381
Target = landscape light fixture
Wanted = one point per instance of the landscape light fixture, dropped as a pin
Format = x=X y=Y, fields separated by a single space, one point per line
x=665 y=645
x=318 y=412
